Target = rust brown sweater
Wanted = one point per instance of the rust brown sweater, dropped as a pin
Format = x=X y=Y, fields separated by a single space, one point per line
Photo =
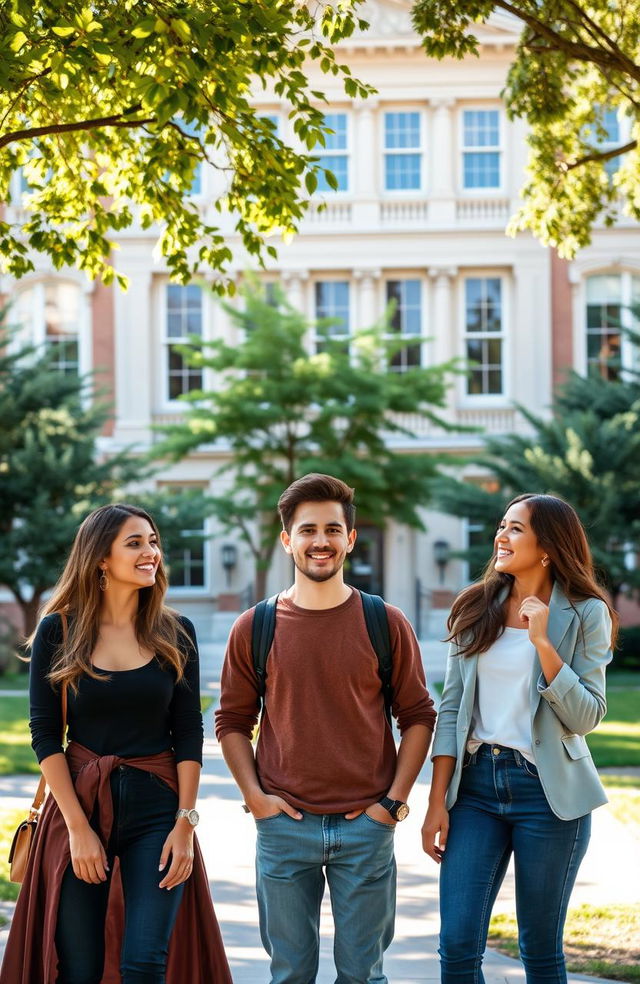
x=324 y=745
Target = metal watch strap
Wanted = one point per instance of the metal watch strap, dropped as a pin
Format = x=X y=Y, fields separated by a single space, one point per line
x=191 y=815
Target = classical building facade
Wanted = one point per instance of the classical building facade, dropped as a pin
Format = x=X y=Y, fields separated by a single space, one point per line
x=429 y=171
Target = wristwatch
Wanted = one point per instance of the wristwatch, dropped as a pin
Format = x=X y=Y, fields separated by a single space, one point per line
x=398 y=810
x=191 y=815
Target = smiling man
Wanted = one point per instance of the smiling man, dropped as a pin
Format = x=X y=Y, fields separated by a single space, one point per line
x=326 y=786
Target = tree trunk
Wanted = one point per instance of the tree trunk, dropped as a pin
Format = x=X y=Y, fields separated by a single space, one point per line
x=260 y=585
x=30 y=611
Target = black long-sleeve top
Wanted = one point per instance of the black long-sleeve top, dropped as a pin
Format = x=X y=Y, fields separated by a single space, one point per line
x=129 y=713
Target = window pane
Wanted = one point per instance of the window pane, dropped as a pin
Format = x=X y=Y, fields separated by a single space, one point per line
x=401 y=130
x=494 y=381
x=402 y=172
x=474 y=350
x=481 y=170
x=604 y=288
x=474 y=384
x=184 y=310
x=340 y=167
x=481 y=128
x=338 y=139
x=332 y=301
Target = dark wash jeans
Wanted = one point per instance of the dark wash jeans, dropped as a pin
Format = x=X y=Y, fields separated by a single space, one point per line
x=502 y=810
x=144 y=809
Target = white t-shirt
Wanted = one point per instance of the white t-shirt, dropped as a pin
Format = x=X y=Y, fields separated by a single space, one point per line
x=501 y=711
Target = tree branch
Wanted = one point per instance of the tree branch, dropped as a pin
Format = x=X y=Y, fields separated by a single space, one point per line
x=605 y=155
x=578 y=50
x=41 y=131
x=596 y=31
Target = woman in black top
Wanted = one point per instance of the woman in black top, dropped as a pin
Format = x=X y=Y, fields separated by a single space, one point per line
x=129 y=666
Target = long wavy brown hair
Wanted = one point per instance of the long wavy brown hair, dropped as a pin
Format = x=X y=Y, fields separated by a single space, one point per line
x=477 y=615
x=77 y=597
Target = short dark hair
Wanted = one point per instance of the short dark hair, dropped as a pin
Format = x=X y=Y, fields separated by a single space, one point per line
x=316 y=488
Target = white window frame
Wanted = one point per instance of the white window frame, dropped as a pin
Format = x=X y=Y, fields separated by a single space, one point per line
x=493 y=149
x=199 y=590
x=421 y=150
x=346 y=153
x=321 y=339
x=166 y=341
x=33 y=330
x=471 y=400
x=627 y=349
x=392 y=277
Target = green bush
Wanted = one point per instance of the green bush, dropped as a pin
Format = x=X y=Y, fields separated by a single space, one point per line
x=627 y=654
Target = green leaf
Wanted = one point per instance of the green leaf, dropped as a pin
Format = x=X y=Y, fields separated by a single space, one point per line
x=19 y=39
x=63 y=30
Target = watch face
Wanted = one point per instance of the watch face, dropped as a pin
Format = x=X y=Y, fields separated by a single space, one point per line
x=194 y=817
x=402 y=812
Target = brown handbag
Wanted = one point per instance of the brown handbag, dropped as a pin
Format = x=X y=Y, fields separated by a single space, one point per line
x=26 y=831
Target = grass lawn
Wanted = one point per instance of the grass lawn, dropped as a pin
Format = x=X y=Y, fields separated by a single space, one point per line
x=616 y=741
x=598 y=940
x=14 y=681
x=624 y=798
x=16 y=754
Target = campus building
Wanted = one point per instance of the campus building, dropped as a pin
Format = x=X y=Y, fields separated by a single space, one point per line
x=428 y=171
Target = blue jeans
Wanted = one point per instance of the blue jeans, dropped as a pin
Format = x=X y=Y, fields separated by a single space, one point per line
x=144 y=813
x=292 y=859
x=501 y=809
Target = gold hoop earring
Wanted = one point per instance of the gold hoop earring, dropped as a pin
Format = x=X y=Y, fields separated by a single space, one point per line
x=103 y=581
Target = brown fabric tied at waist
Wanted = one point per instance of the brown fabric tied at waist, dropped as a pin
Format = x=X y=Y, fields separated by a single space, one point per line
x=196 y=951
x=92 y=774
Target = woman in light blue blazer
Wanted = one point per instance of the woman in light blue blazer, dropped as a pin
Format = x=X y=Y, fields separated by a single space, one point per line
x=512 y=773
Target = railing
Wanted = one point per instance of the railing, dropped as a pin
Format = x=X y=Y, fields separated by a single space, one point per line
x=482 y=208
x=333 y=212
x=404 y=211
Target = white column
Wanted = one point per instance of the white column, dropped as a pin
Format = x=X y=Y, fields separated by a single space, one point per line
x=443 y=328
x=442 y=181
x=365 y=163
x=135 y=360
x=366 y=311
x=294 y=282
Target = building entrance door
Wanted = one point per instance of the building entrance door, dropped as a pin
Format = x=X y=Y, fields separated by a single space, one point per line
x=364 y=567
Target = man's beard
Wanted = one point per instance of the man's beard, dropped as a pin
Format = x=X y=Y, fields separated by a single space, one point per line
x=320 y=576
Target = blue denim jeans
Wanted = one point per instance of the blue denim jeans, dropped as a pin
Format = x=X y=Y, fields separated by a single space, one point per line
x=293 y=857
x=144 y=813
x=501 y=809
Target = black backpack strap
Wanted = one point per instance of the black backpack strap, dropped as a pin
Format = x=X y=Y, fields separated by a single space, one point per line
x=375 y=615
x=262 y=633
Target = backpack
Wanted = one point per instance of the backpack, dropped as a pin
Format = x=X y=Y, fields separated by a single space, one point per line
x=375 y=616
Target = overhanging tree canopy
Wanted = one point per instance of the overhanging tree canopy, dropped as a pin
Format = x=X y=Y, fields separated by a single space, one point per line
x=109 y=108
x=576 y=61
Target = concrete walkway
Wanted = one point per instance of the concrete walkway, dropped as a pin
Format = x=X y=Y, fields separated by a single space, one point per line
x=610 y=872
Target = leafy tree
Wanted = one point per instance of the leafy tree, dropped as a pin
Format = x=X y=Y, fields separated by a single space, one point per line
x=283 y=413
x=588 y=453
x=110 y=107
x=51 y=475
x=575 y=61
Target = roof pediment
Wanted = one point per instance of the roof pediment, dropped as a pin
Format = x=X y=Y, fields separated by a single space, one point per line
x=391 y=20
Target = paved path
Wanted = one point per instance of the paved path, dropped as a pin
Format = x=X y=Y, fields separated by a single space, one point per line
x=610 y=873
